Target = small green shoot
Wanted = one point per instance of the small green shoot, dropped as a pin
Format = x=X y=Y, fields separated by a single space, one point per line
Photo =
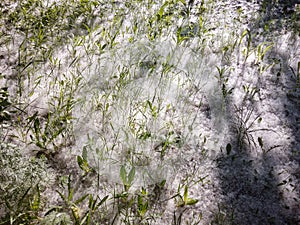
x=82 y=161
x=127 y=179
x=184 y=200
x=142 y=202
x=246 y=51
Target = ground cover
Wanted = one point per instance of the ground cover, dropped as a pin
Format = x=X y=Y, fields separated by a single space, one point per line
x=149 y=112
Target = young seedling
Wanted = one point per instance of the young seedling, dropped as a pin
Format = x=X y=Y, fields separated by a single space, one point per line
x=249 y=92
x=184 y=200
x=124 y=200
x=223 y=81
x=72 y=205
x=83 y=163
x=142 y=203
x=244 y=125
x=127 y=179
x=262 y=50
x=93 y=206
x=246 y=51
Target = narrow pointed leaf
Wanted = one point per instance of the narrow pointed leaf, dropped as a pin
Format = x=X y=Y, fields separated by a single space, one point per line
x=185 y=194
x=79 y=161
x=191 y=201
x=81 y=199
x=123 y=174
x=102 y=201
x=131 y=176
x=84 y=153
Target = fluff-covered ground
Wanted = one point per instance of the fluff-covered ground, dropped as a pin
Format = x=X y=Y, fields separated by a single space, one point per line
x=171 y=112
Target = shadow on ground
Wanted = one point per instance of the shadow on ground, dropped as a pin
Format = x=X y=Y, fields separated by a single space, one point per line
x=255 y=191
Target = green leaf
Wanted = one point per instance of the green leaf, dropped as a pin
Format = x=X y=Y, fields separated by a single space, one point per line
x=161 y=10
x=70 y=189
x=131 y=175
x=84 y=153
x=149 y=104
x=36 y=126
x=23 y=196
x=122 y=195
x=62 y=196
x=143 y=192
x=266 y=49
x=245 y=32
x=140 y=201
x=101 y=202
x=86 y=218
x=103 y=46
x=36 y=200
x=81 y=199
x=70 y=197
x=142 y=207
x=79 y=161
x=185 y=193
x=191 y=201
x=162 y=183
x=98 y=151
x=123 y=175
x=91 y=202
x=55 y=208
x=83 y=164
x=259 y=51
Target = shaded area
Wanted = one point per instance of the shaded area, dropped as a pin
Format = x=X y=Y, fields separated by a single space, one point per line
x=254 y=189
x=276 y=17
x=250 y=185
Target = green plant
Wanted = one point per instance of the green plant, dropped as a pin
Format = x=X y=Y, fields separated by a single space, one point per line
x=261 y=52
x=250 y=92
x=83 y=161
x=48 y=131
x=127 y=179
x=184 y=200
x=223 y=80
x=22 y=182
x=244 y=125
x=124 y=200
x=247 y=50
x=142 y=203
x=171 y=139
x=80 y=210
x=187 y=32
x=129 y=81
